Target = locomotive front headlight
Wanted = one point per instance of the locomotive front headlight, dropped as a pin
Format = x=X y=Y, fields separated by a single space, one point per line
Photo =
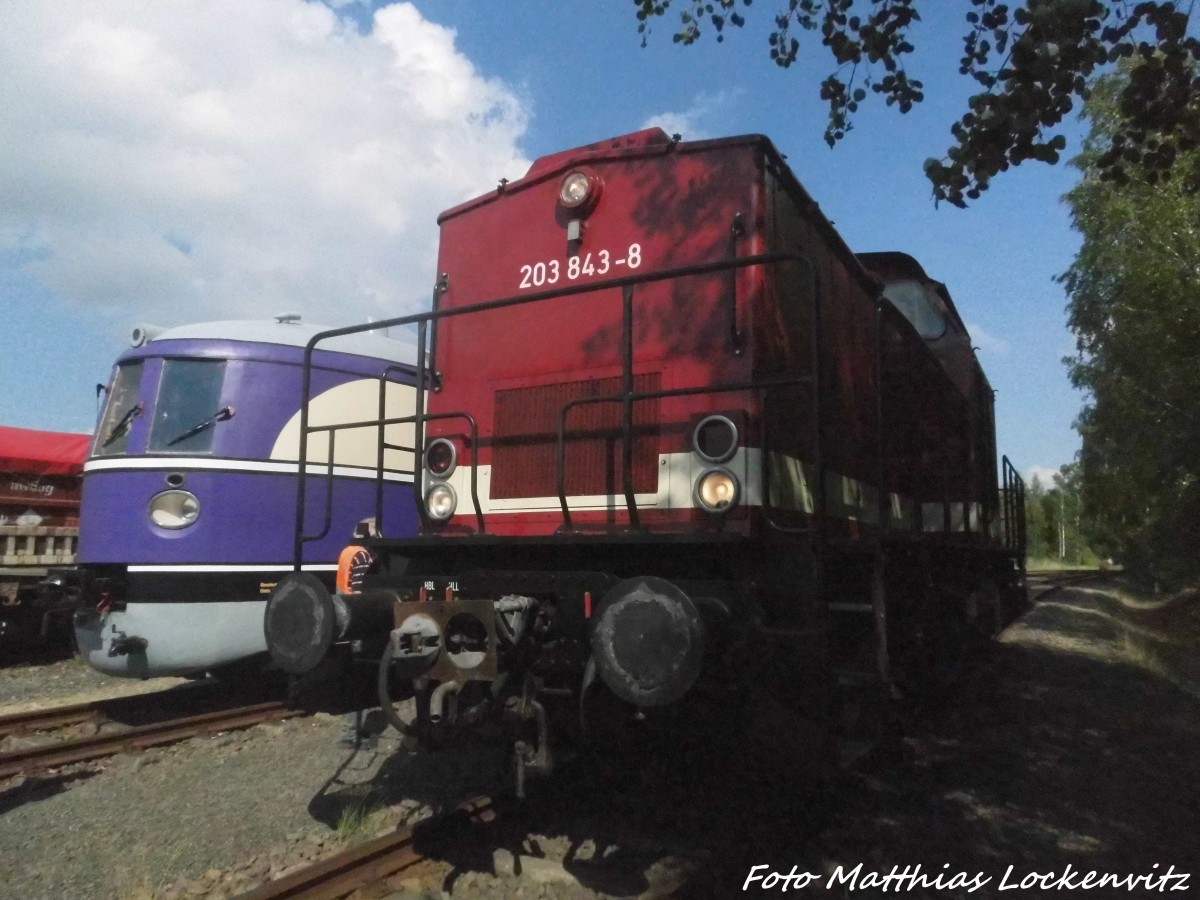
x=717 y=490
x=174 y=509
x=715 y=438
x=440 y=502
x=441 y=457
x=579 y=189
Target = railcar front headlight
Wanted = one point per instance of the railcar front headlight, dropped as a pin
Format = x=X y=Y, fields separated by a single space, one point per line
x=717 y=490
x=440 y=502
x=174 y=509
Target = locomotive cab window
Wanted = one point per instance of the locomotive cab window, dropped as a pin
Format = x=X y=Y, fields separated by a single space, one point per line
x=920 y=306
x=120 y=410
x=188 y=411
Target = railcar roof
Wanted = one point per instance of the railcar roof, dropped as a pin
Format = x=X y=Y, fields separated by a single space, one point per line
x=294 y=334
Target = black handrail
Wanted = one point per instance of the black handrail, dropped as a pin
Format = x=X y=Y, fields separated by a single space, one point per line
x=383 y=446
x=636 y=397
x=627 y=405
x=330 y=464
x=1014 y=493
x=1015 y=537
x=425 y=319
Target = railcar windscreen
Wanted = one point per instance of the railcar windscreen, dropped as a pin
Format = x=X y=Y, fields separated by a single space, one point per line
x=919 y=306
x=188 y=405
x=120 y=411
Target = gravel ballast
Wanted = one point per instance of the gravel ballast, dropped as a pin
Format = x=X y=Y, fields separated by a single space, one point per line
x=256 y=801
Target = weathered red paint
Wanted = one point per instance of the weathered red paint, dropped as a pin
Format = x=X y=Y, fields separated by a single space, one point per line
x=665 y=205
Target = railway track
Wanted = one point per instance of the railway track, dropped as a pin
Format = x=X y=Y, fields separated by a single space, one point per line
x=27 y=760
x=191 y=698
x=100 y=711
x=368 y=863
x=52 y=718
x=1042 y=584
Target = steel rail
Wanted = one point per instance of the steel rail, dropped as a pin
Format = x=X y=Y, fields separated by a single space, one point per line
x=361 y=866
x=53 y=717
x=86 y=749
x=49 y=719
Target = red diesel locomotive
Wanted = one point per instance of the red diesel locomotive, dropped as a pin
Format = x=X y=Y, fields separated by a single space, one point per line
x=673 y=429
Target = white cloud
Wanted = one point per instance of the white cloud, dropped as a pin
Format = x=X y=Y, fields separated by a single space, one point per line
x=212 y=157
x=696 y=122
x=1044 y=475
x=987 y=343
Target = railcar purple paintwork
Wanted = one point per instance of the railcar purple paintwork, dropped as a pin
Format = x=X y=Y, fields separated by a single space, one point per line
x=189 y=491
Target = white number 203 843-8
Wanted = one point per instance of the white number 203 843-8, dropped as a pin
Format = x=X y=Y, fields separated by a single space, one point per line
x=601 y=262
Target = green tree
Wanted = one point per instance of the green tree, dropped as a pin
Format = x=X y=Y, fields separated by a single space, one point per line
x=1133 y=290
x=1033 y=61
x=1072 y=535
x=1036 y=544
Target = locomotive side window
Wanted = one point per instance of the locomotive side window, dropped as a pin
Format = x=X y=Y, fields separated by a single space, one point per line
x=919 y=306
x=188 y=409
x=120 y=411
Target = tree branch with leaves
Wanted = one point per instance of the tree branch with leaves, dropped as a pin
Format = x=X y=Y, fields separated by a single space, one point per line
x=1034 y=61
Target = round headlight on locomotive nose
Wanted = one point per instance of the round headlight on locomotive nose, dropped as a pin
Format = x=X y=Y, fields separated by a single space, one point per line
x=717 y=490
x=575 y=190
x=715 y=438
x=174 y=509
x=440 y=502
x=440 y=457
x=580 y=190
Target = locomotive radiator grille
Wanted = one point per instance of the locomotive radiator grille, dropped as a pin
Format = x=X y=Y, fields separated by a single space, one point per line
x=525 y=442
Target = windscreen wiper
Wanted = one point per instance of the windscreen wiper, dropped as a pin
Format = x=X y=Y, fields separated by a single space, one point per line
x=123 y=425
x=221 y=415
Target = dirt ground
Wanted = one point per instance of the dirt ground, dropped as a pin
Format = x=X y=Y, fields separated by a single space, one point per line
x=1071 y=748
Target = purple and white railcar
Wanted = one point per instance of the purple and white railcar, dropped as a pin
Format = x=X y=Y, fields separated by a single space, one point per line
x=189 y=492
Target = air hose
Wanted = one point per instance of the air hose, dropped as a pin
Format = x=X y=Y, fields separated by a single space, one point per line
x=385 y=698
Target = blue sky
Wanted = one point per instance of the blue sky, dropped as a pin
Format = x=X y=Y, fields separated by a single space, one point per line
x=161 y=165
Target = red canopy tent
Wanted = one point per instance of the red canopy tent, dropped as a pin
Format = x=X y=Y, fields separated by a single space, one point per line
x=27 y=452
x=40 y=476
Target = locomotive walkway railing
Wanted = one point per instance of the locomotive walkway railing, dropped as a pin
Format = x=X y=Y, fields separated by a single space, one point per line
x=423 y=321
x=427 y=378
x=327 y=470
x=628 y=396
x=1012 y=501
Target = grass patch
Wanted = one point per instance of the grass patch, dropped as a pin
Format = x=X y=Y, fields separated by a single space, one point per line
x=360 y=820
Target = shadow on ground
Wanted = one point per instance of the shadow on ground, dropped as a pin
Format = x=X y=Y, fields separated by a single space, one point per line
x=1054 y=750
x=1058 y=748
